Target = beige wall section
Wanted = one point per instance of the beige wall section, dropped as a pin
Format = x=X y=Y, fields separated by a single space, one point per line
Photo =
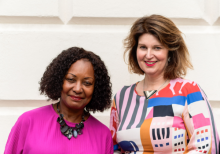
x=32 y=33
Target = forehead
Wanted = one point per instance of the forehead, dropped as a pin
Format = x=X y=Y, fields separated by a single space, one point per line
x=148 y=39
x=82 y=67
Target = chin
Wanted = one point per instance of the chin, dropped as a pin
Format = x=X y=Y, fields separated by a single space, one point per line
x=74 y=105
x=77 y=107
x=150 y=72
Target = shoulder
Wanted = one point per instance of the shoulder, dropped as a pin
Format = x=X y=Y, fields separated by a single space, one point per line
x=123 y=90
x=37 y=113
x=98 y=125
x=183 y=82
x=20 y=130
x=184 y=86
x=40 y=110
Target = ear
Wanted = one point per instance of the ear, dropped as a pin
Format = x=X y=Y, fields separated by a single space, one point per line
x=168 y=59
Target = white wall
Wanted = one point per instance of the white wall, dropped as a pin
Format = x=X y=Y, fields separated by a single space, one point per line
x=33 y=32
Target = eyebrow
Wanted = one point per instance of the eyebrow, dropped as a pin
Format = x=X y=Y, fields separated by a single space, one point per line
x=154 y=45
x=75 y=76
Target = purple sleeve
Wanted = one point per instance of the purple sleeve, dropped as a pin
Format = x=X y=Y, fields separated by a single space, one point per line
x=17 y=136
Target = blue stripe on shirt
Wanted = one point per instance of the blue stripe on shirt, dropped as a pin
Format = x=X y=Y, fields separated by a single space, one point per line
x=180 y=100
x=194 y=97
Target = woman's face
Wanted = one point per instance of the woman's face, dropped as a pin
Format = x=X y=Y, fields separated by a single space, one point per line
x=151 y=55
x=78 y=85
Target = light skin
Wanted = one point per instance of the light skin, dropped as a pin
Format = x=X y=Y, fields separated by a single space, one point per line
x=152 y=58
x=78 y=87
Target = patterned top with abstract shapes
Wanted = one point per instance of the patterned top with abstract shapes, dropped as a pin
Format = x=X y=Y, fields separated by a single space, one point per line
x=177 y=119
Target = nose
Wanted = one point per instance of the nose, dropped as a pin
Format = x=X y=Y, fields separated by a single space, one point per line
x=149 y=53
x=77 y=88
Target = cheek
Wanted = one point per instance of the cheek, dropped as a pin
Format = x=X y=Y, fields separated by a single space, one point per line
x=140 y=55
x=89 y=92
x=66 y=87
x=162 y=56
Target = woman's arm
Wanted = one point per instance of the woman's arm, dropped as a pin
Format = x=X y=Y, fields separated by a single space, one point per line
x=17 y=136
x=200 y=125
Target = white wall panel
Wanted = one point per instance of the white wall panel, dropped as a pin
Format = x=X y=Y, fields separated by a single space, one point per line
x=26 y=54
x=29 y=8
x=217 y=13
x=24 y=63
x=133 y=8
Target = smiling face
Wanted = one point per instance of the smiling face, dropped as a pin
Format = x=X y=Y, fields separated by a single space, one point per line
x=151 y=55
x=78 y=85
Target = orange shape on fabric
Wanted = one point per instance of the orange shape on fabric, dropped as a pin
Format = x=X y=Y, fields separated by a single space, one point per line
x=175 y=150
x=206 y=130
x=175 y=129
x=198 y=133
x=202 y=131
x=204 y=151
x=145 y=135
x=182 y=149
x=113 y=104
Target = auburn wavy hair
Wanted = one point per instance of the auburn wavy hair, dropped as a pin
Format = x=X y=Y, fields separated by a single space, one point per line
x=169 y=35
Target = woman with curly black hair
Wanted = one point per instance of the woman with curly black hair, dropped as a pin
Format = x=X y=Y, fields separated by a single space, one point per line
x=79 y=80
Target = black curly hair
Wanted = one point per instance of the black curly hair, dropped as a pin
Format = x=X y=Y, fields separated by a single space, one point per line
x=52 y=81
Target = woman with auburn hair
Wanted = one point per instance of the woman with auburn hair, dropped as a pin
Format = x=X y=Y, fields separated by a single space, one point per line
x=163 y=113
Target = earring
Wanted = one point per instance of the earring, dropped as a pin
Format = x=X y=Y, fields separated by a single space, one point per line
x=168 y=59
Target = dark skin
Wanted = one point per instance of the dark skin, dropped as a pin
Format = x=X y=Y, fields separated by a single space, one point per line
x=78 y=87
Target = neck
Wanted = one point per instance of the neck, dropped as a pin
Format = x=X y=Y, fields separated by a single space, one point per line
x=153 y=82
x=71 y=115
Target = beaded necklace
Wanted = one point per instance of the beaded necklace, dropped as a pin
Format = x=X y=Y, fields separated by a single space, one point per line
x=70 y=131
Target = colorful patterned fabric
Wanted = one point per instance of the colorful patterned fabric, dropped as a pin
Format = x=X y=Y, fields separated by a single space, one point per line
x=176 y=119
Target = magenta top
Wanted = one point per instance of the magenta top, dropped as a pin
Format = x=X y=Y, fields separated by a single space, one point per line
x=38 y=132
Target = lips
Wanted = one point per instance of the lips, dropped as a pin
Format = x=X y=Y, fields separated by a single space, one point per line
x=76 y=98
x=150 y=63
